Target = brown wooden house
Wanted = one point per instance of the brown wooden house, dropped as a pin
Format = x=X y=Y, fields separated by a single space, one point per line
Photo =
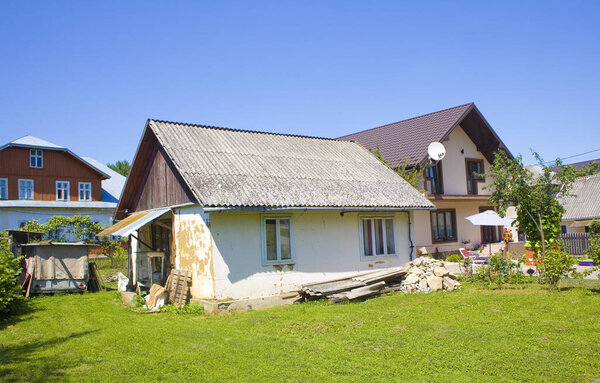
x=39 y=179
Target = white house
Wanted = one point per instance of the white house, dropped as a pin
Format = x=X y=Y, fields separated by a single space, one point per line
x=254 y=214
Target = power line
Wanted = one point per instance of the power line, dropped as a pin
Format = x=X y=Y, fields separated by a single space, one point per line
x=581 y=154
x=575 y=155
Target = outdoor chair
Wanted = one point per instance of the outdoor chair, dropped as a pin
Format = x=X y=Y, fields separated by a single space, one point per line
x=474 y=256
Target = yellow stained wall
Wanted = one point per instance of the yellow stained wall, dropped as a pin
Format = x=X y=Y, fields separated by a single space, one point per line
x=193 y=247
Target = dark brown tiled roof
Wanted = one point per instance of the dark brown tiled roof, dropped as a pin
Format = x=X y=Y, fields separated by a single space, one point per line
x=409 y=139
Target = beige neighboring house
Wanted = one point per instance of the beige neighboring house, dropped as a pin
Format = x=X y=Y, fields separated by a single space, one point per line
x=582 y=205
x=451 y=185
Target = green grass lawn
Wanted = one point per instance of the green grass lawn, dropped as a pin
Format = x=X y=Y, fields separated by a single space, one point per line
x=471 y=335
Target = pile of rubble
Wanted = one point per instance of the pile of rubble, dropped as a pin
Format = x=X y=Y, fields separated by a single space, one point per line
x=426 y=275
x=421 y=275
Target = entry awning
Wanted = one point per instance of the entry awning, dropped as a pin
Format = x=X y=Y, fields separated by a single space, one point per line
x=130 y=224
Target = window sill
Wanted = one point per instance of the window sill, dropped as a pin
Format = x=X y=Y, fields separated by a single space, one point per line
x=279 y=263
x=447 y=241
x=368 y=258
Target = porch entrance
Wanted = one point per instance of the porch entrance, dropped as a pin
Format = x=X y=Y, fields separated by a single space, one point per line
x=489 y=234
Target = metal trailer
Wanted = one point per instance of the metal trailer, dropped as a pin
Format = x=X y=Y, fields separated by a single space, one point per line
x=57 y=266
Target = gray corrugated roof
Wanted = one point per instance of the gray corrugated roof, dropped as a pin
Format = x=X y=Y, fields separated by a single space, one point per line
x=111 y=187
x=226 y=167
x=409 y=138
x=584 y=199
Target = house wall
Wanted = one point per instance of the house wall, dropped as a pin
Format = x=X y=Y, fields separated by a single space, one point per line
x=573 y=229
x=465 y=230
x=224 y=251
x=454 y=170
x=57 y=166
x=194 y=249
x=11 y=218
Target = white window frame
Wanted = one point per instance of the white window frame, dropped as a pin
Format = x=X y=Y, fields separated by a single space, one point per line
x=68 y=191
x=32 y=189
x=89 y=184
x=5 y=187
x=263 y=233
x=33 y=153
x=383 y=217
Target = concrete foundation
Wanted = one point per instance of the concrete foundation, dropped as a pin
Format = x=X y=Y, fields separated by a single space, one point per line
x=213 y=306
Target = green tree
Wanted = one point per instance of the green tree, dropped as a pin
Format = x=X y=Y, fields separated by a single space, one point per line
x=10 y=269
x=121 y=167
x=412 y=174
x=533 y=194
x=593 y=250
x=82 y=228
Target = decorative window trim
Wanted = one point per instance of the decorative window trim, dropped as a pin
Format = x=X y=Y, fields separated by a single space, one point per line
x=383 y=217
x=35 y=154
x=67 y=192
x=5 y=187
x=32 y=189
x=263 y=235
x=80 y=190
x=455 y=229
x=475 y=180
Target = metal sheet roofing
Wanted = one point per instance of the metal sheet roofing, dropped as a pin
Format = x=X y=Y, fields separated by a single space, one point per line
x=583 y=201
x=225 y=167
x=111 y=187
x=37 y=143
x=58 y=204
x=409 y=138
x=132 y=223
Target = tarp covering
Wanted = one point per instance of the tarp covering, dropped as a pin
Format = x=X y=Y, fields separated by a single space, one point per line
x=130 y=224
x=60 y=262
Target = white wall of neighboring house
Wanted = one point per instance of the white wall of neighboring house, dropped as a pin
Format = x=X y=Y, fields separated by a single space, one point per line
x=465 y=230
x=223 y=250
x=11 y=218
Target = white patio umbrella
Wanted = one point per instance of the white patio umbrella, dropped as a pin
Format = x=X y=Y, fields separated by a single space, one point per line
x=489 y=218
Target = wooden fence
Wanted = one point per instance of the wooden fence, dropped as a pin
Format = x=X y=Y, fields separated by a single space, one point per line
x=575 y=243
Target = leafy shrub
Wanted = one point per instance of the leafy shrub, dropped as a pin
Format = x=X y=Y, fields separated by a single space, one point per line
x=138 y=302
x=556 y=264
x=10 y=269
x=454 y=258
x=192 y=308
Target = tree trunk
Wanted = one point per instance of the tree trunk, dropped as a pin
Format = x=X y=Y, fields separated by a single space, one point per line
x=543 y=240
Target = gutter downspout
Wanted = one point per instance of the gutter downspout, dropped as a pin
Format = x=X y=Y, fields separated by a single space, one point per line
x=412 y=245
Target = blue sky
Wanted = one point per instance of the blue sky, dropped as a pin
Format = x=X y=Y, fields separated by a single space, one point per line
x=87 y=75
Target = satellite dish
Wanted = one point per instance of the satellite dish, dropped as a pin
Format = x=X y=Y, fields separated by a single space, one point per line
x=436 y=151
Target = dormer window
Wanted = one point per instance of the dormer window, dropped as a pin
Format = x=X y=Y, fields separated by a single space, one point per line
x=433 y=179
x=36 y=159
x=474 y=175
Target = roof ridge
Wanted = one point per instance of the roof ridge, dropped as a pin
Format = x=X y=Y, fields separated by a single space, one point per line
x=408 y=119
x=241 y=130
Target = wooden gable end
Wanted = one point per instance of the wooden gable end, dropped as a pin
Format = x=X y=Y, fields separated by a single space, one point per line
x=153 y=181
x=482 y=134
x=163 y=185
